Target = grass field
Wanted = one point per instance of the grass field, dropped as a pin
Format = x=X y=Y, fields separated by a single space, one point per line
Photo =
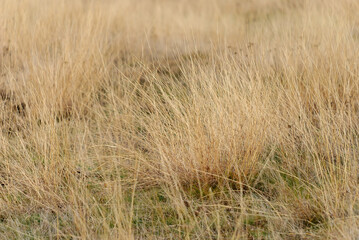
x=179 y=119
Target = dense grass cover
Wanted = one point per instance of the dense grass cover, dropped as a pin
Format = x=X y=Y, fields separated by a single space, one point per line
x=179 y=119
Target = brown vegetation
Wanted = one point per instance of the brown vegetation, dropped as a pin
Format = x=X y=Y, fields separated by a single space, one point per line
x=179 y=119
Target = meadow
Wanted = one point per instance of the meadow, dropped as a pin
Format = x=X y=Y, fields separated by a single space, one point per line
x=179 y=119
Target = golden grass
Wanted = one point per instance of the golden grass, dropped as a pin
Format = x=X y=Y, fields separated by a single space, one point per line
x=179 y=119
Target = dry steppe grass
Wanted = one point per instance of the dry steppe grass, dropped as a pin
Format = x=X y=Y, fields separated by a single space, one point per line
x=179 y=119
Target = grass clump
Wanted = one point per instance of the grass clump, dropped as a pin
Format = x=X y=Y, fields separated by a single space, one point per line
x=179 y=119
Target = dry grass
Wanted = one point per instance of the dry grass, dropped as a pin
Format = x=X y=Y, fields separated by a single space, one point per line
x=164 y=119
